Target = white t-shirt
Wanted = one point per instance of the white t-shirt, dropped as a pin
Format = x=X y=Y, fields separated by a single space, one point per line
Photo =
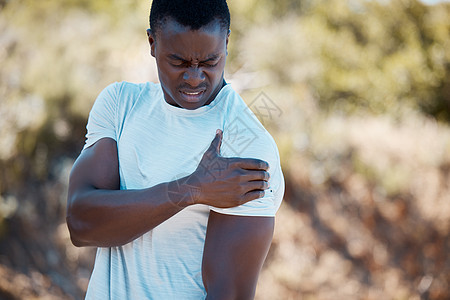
x=157 y=143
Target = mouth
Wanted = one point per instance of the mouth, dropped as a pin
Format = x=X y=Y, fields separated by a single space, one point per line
x=192 y=96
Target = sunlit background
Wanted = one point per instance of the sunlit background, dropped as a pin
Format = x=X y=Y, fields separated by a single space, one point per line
x=355 y=92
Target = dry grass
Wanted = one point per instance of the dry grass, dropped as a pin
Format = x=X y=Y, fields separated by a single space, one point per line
x=374 y=227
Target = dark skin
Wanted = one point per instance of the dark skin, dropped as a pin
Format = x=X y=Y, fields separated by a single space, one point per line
x=101 y=215
x=189 y=62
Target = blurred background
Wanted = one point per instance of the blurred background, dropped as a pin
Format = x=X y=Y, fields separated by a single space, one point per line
x=361 y=91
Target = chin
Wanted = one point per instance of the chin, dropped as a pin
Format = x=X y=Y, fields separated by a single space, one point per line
x=192 y=102
x=191 y=106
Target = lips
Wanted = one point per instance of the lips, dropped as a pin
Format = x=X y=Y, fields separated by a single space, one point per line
x=192 y=95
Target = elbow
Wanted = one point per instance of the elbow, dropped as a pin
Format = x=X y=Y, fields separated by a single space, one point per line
x=84 y=232
x=78 y=227
x=79 y=230
x=77 y=242
x=76 y=233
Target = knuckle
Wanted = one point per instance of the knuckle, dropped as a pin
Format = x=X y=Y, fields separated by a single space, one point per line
x=232 y=163
x=240 y=172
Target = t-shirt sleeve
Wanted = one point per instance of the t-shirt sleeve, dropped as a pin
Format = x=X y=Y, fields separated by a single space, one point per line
x=102 y=122
x=256 y=142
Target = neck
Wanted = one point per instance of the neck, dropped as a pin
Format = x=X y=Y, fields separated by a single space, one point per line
x=224 y=83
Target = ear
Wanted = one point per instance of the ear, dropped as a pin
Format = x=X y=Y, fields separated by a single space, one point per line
x=151 y=41
x=228 y=35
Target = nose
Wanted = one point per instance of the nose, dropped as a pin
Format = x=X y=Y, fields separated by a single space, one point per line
x=194 y=76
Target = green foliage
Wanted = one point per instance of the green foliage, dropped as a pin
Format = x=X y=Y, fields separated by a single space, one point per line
x=374 y=56
x=352 y=56
x=56 y=56
x=383 y=56
x=317 y=60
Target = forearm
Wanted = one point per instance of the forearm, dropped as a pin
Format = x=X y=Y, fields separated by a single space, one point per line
x=107 y=218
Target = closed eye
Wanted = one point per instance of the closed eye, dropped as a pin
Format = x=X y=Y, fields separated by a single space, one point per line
x=210 y=64
x=212 y=61
x=183 y=64
x=177 y=61
x=179 y=64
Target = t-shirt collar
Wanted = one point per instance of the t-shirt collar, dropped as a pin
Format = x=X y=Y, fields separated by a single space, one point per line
x=201 y=110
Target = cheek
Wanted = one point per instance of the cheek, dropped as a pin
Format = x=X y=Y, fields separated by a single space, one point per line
x=215 y=75
x=168 y=75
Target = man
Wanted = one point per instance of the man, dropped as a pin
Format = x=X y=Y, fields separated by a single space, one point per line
x=178 y=182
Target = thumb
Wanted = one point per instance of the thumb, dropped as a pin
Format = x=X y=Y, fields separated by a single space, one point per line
x=216 y=143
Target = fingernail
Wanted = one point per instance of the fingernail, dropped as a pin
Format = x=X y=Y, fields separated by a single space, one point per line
x=217 y=131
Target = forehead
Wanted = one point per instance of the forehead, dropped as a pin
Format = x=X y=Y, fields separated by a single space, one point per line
x=174 y=38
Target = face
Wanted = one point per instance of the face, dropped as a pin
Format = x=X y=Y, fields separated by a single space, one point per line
x=190 y=62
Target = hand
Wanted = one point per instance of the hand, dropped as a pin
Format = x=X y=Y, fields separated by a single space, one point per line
x=227 y=182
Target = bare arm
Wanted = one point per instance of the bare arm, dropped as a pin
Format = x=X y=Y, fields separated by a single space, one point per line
x=235 y=250
x=99 y=214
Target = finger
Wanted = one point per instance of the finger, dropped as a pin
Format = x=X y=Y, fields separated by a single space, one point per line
x=257 y=185
x=253 y=195
x=249 y=163
x=251 y=175
x=216 y=143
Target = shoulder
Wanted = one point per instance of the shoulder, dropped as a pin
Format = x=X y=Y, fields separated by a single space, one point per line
x=244 y=135
x=117 y=89
x=126 y=88
x=126 y=94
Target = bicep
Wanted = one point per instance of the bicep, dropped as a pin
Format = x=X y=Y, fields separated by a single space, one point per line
x=97 y=167
x=234 y=252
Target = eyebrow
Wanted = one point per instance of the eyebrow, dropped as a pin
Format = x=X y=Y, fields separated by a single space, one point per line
x=209 y=58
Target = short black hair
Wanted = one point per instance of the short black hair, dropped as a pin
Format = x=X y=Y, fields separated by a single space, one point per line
x=193 y=13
